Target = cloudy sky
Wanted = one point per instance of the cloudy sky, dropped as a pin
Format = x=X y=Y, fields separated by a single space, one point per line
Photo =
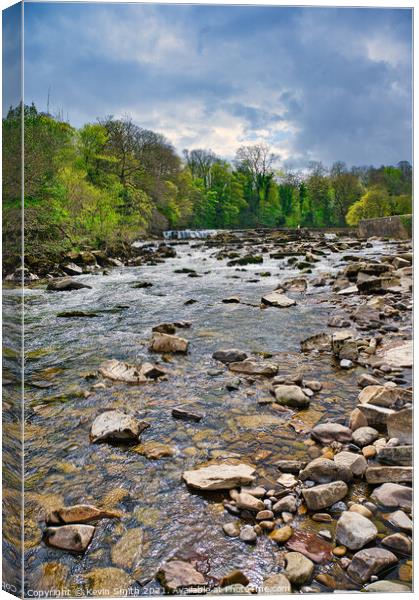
x=313 y=83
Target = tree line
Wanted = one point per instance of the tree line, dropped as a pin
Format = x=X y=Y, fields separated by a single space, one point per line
x=108 y=182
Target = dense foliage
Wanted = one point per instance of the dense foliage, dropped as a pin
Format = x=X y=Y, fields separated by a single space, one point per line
x=103 y=185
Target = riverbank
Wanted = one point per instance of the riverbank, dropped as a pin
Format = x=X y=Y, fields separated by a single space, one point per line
x=281 y=363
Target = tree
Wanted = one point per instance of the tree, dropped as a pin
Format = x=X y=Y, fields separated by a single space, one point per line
x=346 y=190
x=373 y=204
x=319 y=193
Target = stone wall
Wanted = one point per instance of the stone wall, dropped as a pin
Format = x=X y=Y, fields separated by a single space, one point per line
x=388 y=227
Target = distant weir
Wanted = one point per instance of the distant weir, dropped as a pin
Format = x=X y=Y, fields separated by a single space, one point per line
x=189 y=234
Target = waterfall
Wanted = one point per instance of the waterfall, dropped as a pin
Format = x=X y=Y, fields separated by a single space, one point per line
x=188 y=234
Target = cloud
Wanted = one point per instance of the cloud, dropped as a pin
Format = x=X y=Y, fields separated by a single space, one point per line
x=316 y=84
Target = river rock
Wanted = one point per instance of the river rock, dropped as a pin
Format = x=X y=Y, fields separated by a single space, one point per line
x=232 y=529
x=116 y=426
x=393 y=495
x=326 y=433
x=324 y=470
x=74 y=538
x=368 y=562
x=248 y=534
x=376 y=415
x=165 y=328
x=79 y=513
x=400 y=520
x=248 y=502
x=384 y=474
x=364 y=436
x=278 y=299
x=386 y=586
x=185 y=414
x=354 y=530
x=230 y=355
x=291 y=395
x=290 y=466
x=251 y=367
x=356 y=463
x=176 y=575
x=164 y=343
x=299 y=569
x=120 y=371
x=400 y=425
x=396 y=455
x=399 y=542
x=357 y=419
x=281 y=535
x=66 y=285
x=220 y=477
x=155 y=450
x=322 y=342
x=276 y=584
x=322 y=496
x=234 y=578
x=286 y=504
x=311 y=545
x=397 y=354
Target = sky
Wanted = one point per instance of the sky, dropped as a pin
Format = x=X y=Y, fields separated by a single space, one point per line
x=313 y=83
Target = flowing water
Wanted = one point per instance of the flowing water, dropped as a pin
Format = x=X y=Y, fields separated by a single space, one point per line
x=63 y=354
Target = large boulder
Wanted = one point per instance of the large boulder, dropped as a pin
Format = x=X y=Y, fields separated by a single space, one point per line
x=230 y=355
x=369 y=562
x=354 y=530
x=120 y=371
x=219 y=476
x=176 y=575
x=73 y=538
x=164 y=343
x=116 y=426
x=376 y=416
x=251 y=367
x=322 y=496
x=393 y=495
x=395 y=455
x=291 y=395
x=278 y=299
x=326 y=433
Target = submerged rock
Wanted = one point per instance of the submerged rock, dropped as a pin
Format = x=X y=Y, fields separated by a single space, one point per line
x=79 y=513
x=116 y=426
x=74 y=538
x=311 y=545
x=178 y=574
x=276 y=584
x=120 y=371
x=219 y=476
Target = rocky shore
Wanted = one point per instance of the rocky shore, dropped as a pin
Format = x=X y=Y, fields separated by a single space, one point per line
x=336 y=515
